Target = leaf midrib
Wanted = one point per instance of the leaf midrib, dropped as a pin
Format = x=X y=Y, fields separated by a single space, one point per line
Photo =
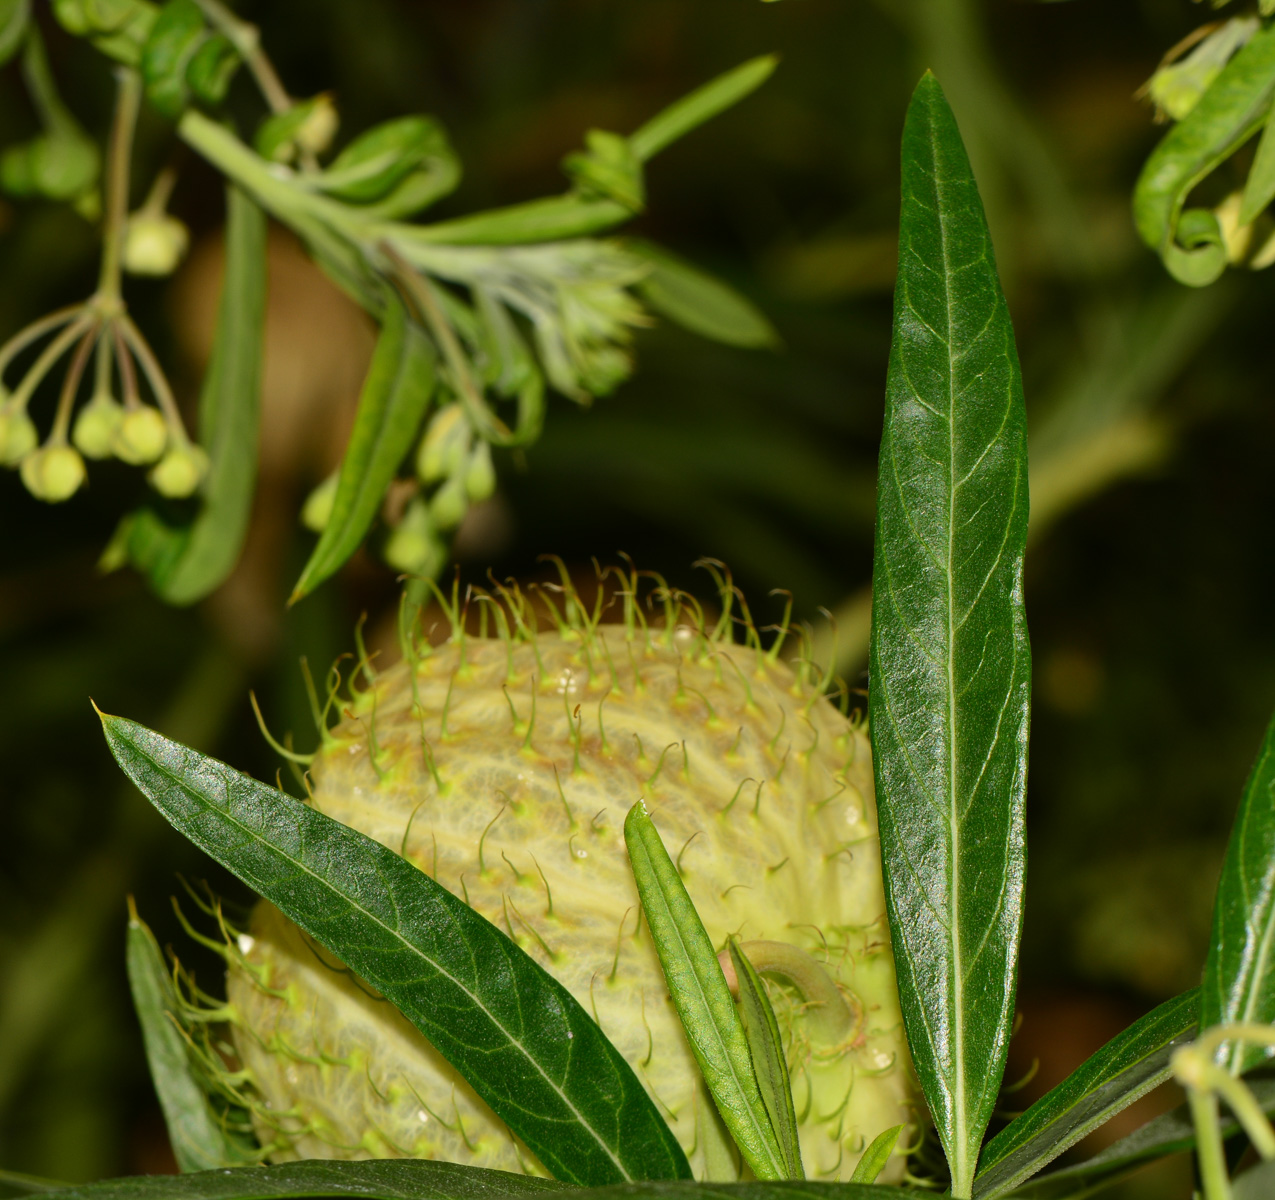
x=961 y=1136
x=414 y=949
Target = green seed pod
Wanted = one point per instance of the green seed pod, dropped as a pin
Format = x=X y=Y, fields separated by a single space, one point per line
x=18 y=437
x=53 y=474
x=444 y=446
x=480 y=475
x=154 y=243
x=317 y=510
x=503 y=767
x=96 y=426
x=141 y=436
x=180 y=472
x=448 y=505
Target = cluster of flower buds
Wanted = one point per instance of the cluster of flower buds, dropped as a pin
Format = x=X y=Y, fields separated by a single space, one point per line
x=132 y=431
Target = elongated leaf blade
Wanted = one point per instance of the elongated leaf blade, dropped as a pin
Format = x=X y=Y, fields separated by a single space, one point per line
x=517 y=1035
x=199 y=1139
x=392 y=405
x=417 y=1180
x=701 y=105
x=1171 y=1133
x=1239 y=974
x=872 y=1162
x=1259 y=188
x=229 y=412
x=1126 y=1068
x=1190 y=243
x=950 y=664
x=701 y=996
x=766 y=1047
x=695 y=300
x=394 y=1179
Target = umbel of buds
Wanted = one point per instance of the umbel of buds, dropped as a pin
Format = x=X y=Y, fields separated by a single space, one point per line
x=503 y=766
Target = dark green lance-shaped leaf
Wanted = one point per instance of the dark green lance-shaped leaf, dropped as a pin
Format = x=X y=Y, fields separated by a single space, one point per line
x=177 y=34
x=698 y=302
x=1239 y=975
x=229 y=414
x=1171 y=1133
x=517 y=1036
x=1126 y=1068
x=14 y=15
x=701 y=105
x=766 y=1047
x=196 y=1130
x=1190 y=242
x=416 y=1180
x=950 y=668
x=872 y=1162
x=701 y=996
x=392 y=405
x=383 y=1180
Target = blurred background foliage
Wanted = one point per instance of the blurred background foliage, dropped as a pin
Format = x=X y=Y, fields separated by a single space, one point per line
x=1150 y=580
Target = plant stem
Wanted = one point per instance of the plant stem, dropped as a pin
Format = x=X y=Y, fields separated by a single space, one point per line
x=40 y=368
x=154 y=376
x=246 y=38
x=37 y=329
x=54 y=115
x=71 y=384
x=1208 y=1142
x=128 y=100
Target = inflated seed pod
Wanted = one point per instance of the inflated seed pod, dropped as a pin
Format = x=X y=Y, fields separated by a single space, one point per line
x=503 y=767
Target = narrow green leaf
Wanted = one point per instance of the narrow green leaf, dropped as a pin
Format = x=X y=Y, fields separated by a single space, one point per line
x=178 y=32
x=28 y=1185
x=199 y=1139
x=392 y=405
x=701 y=996
x=1171 y=1133
x=424 y=1180
x=14 y=15
x=873 y=1160
x=393 y=1179
x=1126 y=1068
x=229 y=414
x=701 y=105
x=698 y=302
x=517 y=1035
x=1259 y=188
x=950 y=665
x=1226 y=116
x=547 y=220
x=1239 y=975
x=771 y=1067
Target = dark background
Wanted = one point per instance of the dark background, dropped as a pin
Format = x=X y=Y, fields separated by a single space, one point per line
x=1149 y=583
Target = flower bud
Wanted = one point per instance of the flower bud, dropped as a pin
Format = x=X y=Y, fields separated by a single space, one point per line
x=316 y=132
x=179 y=472
x=141 y=436
x=96 y=426
x=53 y=474
x=154 y=243
x=480 y=475
x=413 y=545
x=448 y=505
x=442 y=450
x=17 y=437
x=317 y=510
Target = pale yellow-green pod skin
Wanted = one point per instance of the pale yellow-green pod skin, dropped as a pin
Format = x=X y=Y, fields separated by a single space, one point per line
x=762 y=792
